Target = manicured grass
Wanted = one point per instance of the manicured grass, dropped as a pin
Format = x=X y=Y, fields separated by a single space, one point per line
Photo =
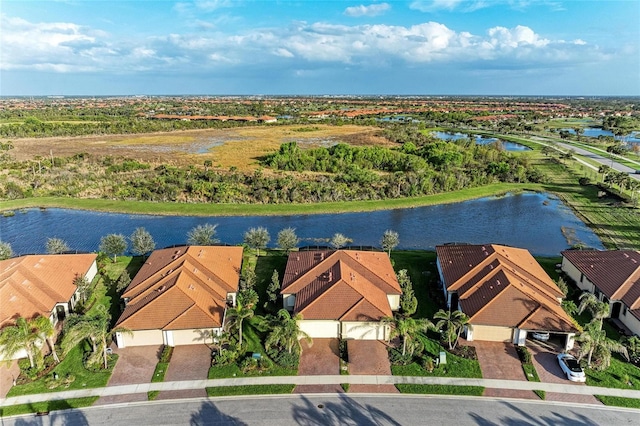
x=193 y=209
x=250 y=390
x=159 y=372
x=613 y=376
x=441 y=389
x=264 y=266
x=424 y=276
x=39 y=407
x=71 y=365
x=619 y=401
x=455 y=366
x=549 y=265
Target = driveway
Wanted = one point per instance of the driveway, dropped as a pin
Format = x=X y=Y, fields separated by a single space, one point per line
x=135 y=365
x=369 y=357
x=8 y=373
x=321 y=358
x=544 y=360
x=189 y=362
x=499 y=360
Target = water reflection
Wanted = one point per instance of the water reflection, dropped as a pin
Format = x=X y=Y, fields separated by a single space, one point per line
x=529 y=220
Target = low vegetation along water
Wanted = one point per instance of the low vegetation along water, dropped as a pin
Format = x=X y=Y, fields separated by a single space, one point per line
x=538 y=222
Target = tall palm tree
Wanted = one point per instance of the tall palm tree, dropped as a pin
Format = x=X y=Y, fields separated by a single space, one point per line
x=594 y=341
x=24 y=335
x=599 y=310
x=93 y=328
x=236 y=316
x=285 y=332
x=48 y=331
x=407 y=329
x=452 y=323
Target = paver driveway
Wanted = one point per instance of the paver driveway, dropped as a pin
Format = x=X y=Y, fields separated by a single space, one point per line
x=500 y=360
x=369 y=357
x=544 y=360
x=321 y=358
x=189 y=362
x=8 y=372
x=135 y=365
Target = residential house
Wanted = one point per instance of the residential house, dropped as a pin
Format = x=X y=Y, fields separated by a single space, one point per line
x=180 y=296
x=42 y=285
x=341 y=293
x=613 y=276
x=504 y=291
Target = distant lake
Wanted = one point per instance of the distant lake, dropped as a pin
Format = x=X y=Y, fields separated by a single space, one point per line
x=480 y=140
x=594 y=132
x=538 y=222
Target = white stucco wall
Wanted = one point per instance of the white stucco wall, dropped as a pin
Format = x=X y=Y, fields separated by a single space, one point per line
x=577 y=276
x=92 y=272
x=193 y=336
x=394 y=301
x=320 y=328
x=630 y=321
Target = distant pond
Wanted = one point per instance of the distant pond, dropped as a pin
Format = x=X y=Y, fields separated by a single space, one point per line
x=480 y=140
x=538 y=222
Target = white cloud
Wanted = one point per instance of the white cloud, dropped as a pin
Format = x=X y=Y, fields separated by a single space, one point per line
x=67 y=47
x=435 y=5
x=371 y=10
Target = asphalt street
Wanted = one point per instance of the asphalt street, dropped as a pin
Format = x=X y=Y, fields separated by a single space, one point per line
x=602 y=159
x=338 y=410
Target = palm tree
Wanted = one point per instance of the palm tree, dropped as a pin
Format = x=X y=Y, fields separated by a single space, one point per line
x=48 y=331
x=452 y=323
x=93 y=328
x=599 y=310
x=285 y=332
x=235 y=317
x=594 y=341
x=407 y=329
x=24 y=335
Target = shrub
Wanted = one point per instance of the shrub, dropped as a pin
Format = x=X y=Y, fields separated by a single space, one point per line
x=524 y=354
x=428 y=364
x=584 y=181
x=396 y=357
x=284 y=358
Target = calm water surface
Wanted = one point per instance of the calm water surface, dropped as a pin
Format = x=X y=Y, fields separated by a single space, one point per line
x=532 y=221
x=508 y=146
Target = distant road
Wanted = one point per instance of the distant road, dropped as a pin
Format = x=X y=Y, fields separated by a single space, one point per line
x=345 y=409
x=601 y=159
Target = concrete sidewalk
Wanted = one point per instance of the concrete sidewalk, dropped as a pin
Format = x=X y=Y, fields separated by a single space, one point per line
x=320 y=380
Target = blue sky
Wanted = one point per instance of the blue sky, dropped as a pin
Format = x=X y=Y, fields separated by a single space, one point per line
x=465 y=47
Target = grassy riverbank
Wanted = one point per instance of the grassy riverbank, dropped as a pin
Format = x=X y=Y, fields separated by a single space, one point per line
x=193 y=209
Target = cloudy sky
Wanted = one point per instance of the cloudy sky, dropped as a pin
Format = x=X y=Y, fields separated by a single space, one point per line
x=472 y=47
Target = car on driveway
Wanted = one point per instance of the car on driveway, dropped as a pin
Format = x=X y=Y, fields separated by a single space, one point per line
x=543 y=336
x=571 y=368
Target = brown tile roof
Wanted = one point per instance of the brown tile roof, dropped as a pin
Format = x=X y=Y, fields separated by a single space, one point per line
x=346 y=285
x=182 y=288
x=503 y=286
x=616 y=273
x=32 y=285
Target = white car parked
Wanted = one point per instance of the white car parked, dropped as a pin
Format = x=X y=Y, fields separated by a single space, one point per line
x=571 y=368
x=543 y=336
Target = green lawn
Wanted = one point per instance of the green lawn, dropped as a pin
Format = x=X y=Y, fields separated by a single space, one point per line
x=36 y=407
x=619 y=401
x=264 y=266
x=441 y=389
x=424 y=276
x=250 y=390
x=70 y=365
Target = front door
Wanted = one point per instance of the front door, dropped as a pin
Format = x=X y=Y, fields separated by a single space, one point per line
x=60 y=313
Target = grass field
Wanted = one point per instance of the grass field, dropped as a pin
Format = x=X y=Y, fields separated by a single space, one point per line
x=249 y=390
x=441 y=389
x=42 y=407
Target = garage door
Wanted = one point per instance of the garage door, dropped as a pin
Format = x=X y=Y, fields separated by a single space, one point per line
x=321 y=329
x=492 y=334
x=140 y=338
x=363 y=331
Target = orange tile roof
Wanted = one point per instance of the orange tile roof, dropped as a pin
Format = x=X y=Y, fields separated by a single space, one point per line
x=346 y=285
x=616 y=273
x=32 y=285
x=503 y=286
x=182 y=288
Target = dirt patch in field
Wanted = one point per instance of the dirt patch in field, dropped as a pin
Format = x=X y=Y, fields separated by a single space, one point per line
x=225 y=148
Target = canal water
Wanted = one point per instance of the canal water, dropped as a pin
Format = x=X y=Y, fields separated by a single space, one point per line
x=538 y=222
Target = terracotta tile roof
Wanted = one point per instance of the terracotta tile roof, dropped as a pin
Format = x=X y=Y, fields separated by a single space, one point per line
x=616 y=273
x=503 y=286
x=182 y=288
x=32 y=285
x=346 y=285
